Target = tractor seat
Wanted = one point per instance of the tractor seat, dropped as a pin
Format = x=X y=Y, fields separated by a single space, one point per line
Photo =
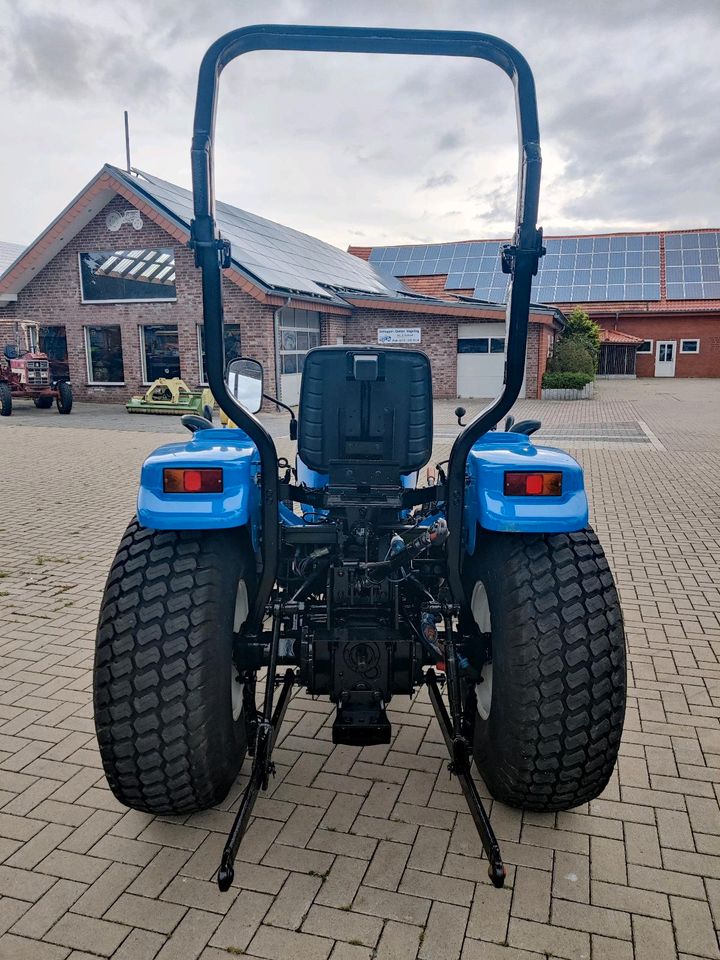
x=366 y=406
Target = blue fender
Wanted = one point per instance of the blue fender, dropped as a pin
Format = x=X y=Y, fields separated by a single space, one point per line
x=238 y=504
x=487 y=506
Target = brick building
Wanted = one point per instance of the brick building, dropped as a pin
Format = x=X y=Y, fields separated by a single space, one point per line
x=656 y=295
x=113 y=288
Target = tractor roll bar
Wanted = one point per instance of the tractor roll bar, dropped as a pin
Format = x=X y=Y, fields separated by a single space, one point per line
x=520 y=258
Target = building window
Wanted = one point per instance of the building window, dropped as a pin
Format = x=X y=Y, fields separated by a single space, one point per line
x=689 y=346
x=103 y=348
x=474 y=344
x=121 y=276
x=160 y=351
x=299 y=331
x=233 y=349
x=645 y=347
x=497 y=344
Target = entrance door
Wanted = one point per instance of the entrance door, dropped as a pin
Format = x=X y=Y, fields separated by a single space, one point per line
x=665 y=358
x=481 y=360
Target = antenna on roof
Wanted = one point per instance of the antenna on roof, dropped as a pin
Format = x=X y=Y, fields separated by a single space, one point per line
x=127 y=142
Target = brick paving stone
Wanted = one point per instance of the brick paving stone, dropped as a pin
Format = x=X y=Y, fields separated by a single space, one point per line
x=88 y=933
x=653 y=939
x=532 y=896
x=392 y=906
x=399 y=941
x=341 y=883
x=101 y=895
x=571 y=877
x=381 y=830
x=490 y=914
x=632 y=899
x=20 y=948
x=238 y=927
x=272 y=943
x=560 y=942
x=444 y=932
x=694 y=931
x=140 y=945
x=343 y=925
x=294 y=900
x=145 y=913
x=190 y=936
x=387 y=865
x=48 y=909
x=607 y=948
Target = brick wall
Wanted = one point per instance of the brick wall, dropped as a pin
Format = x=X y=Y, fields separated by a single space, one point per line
x=706 y=329
x=439 y=342
x=54 y=297
x=331 y=328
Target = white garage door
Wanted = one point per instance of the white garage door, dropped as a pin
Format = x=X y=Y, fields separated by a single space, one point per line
x=481 y=360
x=298 y=332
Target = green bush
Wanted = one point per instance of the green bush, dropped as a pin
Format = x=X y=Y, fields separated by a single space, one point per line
x=570 y=356
x=566 y=380
x=580 y=328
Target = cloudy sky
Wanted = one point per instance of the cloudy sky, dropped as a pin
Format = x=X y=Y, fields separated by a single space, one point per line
x=372 y=150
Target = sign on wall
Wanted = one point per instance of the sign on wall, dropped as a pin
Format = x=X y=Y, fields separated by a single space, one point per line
x=398 y=335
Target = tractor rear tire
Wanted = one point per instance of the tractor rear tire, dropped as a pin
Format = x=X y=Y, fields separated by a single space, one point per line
x=168 y=704
x=549 y=710
x=43 y=403
x=64 y=398
x=5 y=400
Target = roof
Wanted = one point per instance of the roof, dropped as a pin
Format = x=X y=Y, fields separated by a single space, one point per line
x=9 y=252
x=280 y=257
x=617 y=336
x=273 y=263
x=675 y=271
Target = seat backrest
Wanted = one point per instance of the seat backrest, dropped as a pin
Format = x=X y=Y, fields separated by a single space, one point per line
x=368 y=405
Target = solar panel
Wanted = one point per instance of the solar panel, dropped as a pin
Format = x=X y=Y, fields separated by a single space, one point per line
x=692 y=266
x=277 y=255
x=582 y=269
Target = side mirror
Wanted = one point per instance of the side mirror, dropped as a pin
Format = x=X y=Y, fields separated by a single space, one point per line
x=244 y=380
x=10 y=351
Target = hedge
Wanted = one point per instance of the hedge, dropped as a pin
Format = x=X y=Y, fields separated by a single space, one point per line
x=566 y=381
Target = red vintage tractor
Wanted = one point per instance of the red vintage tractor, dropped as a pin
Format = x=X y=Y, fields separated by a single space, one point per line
x=25 y=372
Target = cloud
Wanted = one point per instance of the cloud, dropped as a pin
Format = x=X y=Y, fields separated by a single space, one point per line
x=446 y=179
x=61 y=57
x=337 y=145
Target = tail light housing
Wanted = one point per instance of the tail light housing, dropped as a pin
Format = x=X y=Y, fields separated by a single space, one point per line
x=193 y=480
x=525 y=483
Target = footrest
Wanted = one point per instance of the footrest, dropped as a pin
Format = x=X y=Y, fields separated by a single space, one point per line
x=359 y=723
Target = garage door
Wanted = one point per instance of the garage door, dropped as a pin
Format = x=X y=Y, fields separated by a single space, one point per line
x=298 y=332
x=481 y=360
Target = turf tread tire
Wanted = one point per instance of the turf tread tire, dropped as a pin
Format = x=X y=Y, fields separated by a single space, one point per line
x=558 y=696
x=6 y=400
x=163 y=710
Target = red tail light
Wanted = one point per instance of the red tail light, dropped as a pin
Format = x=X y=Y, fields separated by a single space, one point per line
x=200 y=480
x=526 y=484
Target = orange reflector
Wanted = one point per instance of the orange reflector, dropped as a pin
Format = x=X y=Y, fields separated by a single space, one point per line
x=523 y=484
x=202 y=480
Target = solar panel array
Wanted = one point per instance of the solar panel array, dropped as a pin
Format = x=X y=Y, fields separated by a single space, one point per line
x=278 y=256
x=692 y=266
x=582 y=269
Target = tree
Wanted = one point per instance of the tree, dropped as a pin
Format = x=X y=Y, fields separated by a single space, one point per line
x=582 y=330
x=571 y=355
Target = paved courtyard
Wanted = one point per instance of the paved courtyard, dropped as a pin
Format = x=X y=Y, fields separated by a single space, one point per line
x=357 y=854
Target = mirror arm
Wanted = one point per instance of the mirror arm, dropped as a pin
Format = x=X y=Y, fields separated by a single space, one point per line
x=279 y=403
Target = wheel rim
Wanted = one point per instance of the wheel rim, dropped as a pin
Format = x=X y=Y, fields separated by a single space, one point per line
x=480 y=607
x=242 y=608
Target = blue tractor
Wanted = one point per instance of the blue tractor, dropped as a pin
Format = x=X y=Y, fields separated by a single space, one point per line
x=243 y=577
